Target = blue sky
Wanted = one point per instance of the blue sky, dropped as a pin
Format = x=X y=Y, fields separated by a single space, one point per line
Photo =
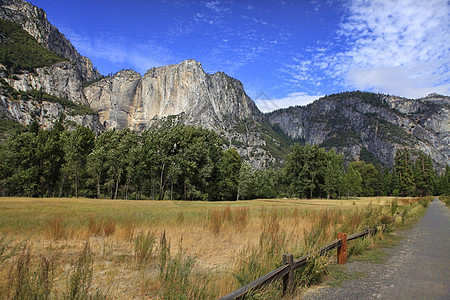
x=284 y=52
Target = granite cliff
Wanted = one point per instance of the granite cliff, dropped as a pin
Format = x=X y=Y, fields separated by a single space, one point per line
x=360 y=125
x=372 y=126
x=214 y=101
x=34 y=21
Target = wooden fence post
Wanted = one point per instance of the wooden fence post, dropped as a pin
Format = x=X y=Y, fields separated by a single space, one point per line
x=288 y=279
x=342 y=249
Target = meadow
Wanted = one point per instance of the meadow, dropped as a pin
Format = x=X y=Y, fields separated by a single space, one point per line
x=84 y=248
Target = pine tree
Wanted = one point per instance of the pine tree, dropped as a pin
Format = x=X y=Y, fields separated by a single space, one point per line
x=353 y=179
x=423 y=175
x=403 y=175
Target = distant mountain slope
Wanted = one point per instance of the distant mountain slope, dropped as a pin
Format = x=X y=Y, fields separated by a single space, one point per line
x=371 y=126
x=34 y=21
x=360 y=125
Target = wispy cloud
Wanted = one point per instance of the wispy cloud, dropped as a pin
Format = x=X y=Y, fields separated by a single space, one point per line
x=399 y=47
x=389 y=46
x=293 y=99
x=138 y=56
x=216 y=6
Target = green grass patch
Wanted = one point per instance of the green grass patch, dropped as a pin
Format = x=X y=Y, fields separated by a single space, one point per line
x=339 y=273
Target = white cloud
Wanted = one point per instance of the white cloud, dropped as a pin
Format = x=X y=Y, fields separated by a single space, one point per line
x=293 y=99
x=397 y=47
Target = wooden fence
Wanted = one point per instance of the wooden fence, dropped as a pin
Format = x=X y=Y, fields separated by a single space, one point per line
x=286 y=271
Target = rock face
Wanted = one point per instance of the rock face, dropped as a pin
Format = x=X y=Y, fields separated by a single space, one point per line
x=45 y=113
x=60 y=80
x=34 y=21
x=360 y=124
x=129 y=100
x=217 y=101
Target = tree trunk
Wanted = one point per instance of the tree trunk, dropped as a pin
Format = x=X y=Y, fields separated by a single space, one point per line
x=99 y=194
x=76 y=185
x=61 y=187
x=161 y=184
x=117 y=187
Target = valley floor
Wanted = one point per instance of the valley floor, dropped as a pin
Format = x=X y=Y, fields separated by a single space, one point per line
x=125 y=237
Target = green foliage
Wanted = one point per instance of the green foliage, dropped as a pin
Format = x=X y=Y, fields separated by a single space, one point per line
x=368 y=157
x=8 y=128
x=424 y=175
x=403 y=176
x=76 y=145
x=305 y=169
x=174 y=161
x=258 y=183
x=370 y=178
x=228 y=181
x=354 y=181
x=19 y=51
x=443 y=183
x=334 y=174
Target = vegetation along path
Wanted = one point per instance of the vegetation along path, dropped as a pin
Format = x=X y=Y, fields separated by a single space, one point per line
x=418 y=268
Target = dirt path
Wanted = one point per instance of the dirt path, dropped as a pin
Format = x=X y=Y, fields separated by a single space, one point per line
x=418 y=268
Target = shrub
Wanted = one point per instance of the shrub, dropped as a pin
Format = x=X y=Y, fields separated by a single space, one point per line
x=394 y=206
x=386 y=220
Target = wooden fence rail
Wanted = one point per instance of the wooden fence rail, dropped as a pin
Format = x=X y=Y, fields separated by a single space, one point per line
x=286 y=271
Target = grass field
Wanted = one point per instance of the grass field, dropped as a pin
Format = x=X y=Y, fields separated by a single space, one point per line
x=166 y=249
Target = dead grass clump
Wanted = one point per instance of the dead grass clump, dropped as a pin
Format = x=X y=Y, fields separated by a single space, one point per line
x=241 y=217
x=55 y=229
x=216 y=220
x=227 y=214
x=109 y=227
x=237 y=217
x=126 y=231
x=271 y=227
x=94 y=227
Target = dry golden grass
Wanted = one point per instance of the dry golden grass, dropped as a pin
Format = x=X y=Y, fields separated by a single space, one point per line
x=215 y=233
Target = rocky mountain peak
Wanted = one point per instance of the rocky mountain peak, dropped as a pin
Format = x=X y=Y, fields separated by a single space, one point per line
x=34 y=21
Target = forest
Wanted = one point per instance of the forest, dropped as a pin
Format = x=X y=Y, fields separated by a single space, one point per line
x=189 y=163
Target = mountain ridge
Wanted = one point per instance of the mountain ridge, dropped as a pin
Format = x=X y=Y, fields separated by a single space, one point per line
x=356 y=124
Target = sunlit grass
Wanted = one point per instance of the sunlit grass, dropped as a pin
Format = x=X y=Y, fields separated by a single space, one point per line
x=126 y=263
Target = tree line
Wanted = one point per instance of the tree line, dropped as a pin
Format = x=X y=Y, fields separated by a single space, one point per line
x=187 y=162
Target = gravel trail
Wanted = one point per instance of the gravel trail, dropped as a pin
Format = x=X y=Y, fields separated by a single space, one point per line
x=418 y=268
